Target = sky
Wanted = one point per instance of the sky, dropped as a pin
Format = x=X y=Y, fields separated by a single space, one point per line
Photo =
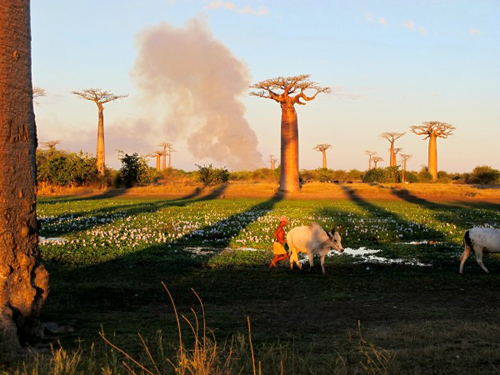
x=187 y=65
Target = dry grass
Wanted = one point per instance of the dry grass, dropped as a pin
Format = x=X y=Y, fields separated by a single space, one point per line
x=314 y=190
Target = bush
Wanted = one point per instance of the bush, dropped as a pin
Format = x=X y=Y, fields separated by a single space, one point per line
x=424 y=175
x=209 y=176
x=66 y=168
x=384 y=175
x=484 y=175
x=135 y=171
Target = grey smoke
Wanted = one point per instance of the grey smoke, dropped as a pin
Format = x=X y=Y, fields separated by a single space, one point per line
x=192 y=83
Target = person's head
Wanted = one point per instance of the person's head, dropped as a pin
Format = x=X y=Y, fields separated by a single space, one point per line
x=283 y=221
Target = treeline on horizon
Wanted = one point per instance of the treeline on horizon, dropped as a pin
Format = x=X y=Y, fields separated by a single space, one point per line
x=63 y=168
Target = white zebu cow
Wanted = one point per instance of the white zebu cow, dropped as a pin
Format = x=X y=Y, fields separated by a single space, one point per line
x=481 y=241
x=312 y=240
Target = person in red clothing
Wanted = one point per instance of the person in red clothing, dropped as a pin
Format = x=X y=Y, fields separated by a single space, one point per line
x=279 y=242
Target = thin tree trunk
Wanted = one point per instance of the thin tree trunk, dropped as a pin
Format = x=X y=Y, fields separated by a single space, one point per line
x=169 y=160
x=100 y=141
x=433 y=156
x=158 y=161
x=324 y=159
x=24 y=281
x=370 y=163
x=164 y=166
x=393 y=155
x=289 y=176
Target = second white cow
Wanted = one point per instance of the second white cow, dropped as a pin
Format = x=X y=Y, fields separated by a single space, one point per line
x=312 y=240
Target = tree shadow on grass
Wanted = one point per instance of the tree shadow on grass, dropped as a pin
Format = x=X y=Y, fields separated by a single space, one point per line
x=393 y=219
x=81 y=221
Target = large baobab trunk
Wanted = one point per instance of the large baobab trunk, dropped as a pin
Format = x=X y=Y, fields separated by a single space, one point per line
x=289 y=173
x=101 y=163
x=24 y=281
x=324 y=159
x=433 y=156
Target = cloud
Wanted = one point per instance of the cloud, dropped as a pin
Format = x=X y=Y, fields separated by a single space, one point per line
x=369 y=17
x=342 y=93
x=247 y=9
x=422 y=30
x=382 y=21
x=474 y=32
x=409 y=25
x=190 y=86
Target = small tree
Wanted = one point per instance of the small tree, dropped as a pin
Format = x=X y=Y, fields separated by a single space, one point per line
x=405 y=158
x=212 y=176
x=432 y=131
x=376 y=160
x=392 y=137
x=322 y=148
x=134 y=170
x=370 y=154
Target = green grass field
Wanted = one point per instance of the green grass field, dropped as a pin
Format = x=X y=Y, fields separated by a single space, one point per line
x=410 y=313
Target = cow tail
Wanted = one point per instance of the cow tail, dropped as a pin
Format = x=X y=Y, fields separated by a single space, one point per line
x=468 y=241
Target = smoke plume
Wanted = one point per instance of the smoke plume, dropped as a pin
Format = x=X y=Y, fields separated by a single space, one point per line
x=192 y=82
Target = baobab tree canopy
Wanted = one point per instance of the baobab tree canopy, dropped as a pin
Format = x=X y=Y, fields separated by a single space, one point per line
x=98 y=95
x=280 y=89
x=288 y=91
x=436 y=128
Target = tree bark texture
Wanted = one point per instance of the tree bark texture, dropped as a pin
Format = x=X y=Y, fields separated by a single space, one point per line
x=158 y=162
x=324 y=159
x=23 y=280
x=433 y=156
x=289 y=174
x=101 y=166
x=164 y=166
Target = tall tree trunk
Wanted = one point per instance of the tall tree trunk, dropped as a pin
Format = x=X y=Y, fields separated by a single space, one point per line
x=433 y=156
x=289 y=174
x=164 y=166
x=324 y=159
x=169 y=160
x=393 y=155
x=158 y=161
x=370 y=163
x=100 y=141
x=24 y=281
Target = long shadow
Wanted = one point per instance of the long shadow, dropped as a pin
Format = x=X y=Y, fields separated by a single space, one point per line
x=377 y=211
x=109 y=290
x=79 y=222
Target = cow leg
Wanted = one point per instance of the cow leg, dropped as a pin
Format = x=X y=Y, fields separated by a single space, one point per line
x=463 y=258
x=479 y=259
x=323 y=263
x=311 y=260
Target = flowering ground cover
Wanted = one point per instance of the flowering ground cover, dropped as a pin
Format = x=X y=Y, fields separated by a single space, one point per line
x=106 y=274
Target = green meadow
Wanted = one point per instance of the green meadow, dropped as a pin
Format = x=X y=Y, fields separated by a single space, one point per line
x=392 y=303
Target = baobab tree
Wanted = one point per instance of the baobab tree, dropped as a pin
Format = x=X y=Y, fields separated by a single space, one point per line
x=272 y=162
x=322 y=147
x=370 y=154
x=24 y=281
x=170 y=150
x=392 y=137
x=288 y=91
x=157 y=155
x=404 y=158
x=38 y=92
x=376 y=160
x=432 y=131
x=165 y=146
x=51 y=145
x=99 y=97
